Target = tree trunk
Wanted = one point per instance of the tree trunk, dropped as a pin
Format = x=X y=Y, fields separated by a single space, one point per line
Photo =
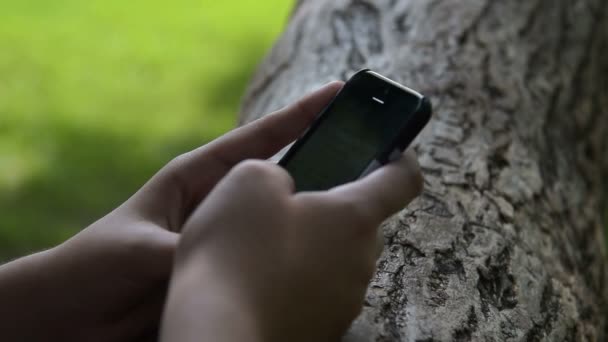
x=506 y=242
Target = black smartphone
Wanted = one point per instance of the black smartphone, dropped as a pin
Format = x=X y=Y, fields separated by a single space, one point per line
x=369 y=122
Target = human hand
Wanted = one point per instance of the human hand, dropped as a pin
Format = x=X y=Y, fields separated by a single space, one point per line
x=108 y=283
x=257 y=262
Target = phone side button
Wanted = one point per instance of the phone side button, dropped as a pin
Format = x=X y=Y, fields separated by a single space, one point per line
x=370 y=168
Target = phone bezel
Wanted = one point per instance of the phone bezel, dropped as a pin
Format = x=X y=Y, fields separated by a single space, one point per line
x=408 y=132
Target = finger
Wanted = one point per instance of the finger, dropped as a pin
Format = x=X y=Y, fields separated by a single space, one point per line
x=186 y=180
x=259 y=139
x=385 y=191
x=251 y=181
x=264 y=137
x=261 y=186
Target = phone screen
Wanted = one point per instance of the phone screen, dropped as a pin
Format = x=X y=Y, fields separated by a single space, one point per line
x=362 y=122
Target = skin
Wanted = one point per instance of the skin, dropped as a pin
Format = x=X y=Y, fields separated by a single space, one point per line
x=253 y=260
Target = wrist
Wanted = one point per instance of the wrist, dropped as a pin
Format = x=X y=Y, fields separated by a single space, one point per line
x=28 y=295
x=201 y=306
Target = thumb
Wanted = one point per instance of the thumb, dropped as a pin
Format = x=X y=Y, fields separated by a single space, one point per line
x=386 y=190
x=171 y=195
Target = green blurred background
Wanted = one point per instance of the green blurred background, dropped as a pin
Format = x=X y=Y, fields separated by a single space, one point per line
x=96 y=95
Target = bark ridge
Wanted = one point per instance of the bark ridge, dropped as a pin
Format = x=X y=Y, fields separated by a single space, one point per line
x=506 y=242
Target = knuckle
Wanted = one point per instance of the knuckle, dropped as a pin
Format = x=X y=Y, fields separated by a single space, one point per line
x=178 y=161
x=263 y=173
x=175 y=169
x=138 y=242
x=255 y=169
x=270 y=134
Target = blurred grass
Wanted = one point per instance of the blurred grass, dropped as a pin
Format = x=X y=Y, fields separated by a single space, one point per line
x=96 y=95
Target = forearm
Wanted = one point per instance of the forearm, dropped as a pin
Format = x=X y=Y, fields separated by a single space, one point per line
x=26 y=298
x=199 y=309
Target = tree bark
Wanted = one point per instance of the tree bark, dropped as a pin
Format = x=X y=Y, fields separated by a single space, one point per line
x=506 y=242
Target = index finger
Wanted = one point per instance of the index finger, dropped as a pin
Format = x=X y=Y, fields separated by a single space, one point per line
x=200 y=169
x=264 y=137
x=184 y=182
x=259 y=139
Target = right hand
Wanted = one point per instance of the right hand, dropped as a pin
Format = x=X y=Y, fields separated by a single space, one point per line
x=258 y=262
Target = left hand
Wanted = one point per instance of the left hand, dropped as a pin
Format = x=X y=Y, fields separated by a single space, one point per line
x=108 y=283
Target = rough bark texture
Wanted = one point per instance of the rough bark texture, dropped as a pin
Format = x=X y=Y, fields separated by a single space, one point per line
x=506 y=242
